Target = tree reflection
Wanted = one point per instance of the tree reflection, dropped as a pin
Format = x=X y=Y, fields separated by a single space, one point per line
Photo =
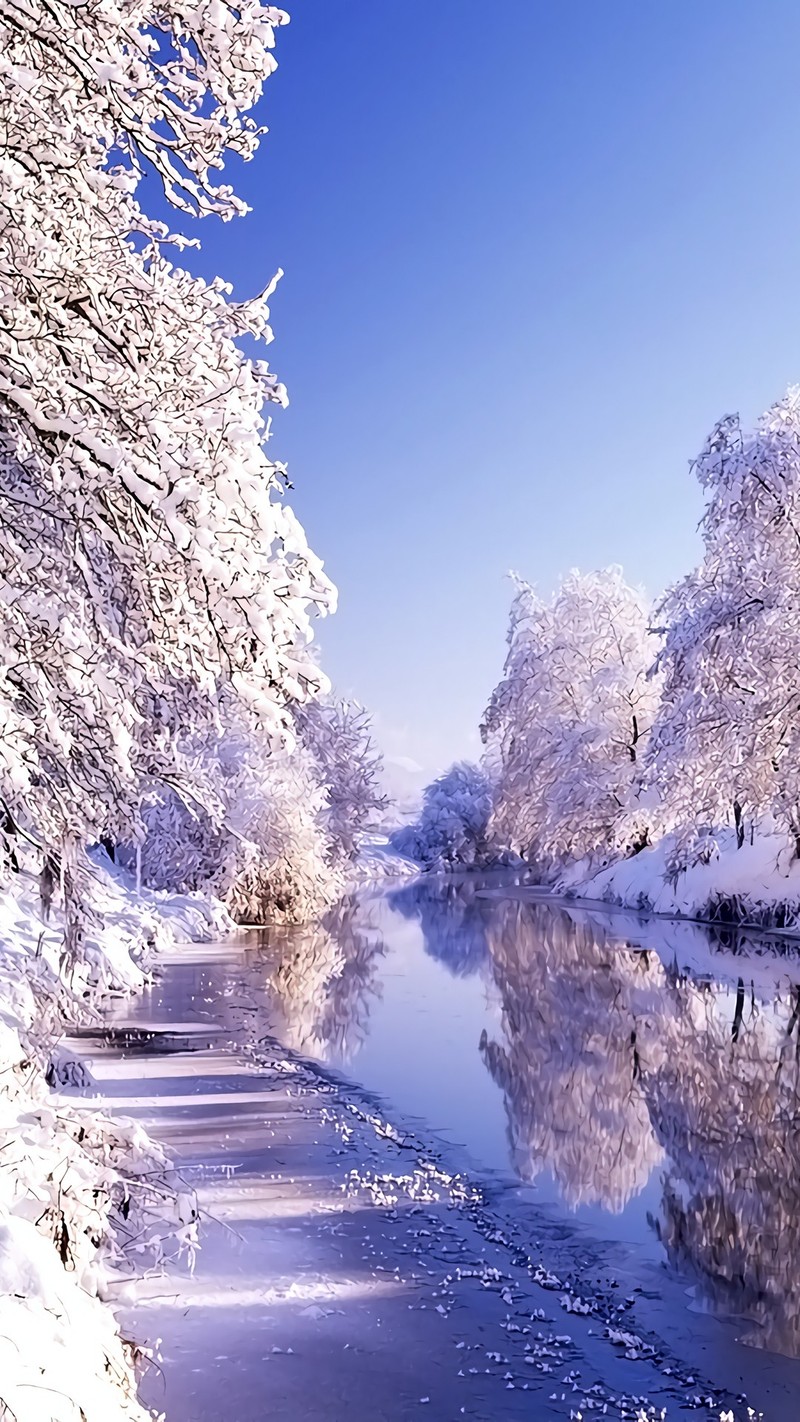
x=453 y=918
x=578 y=1035
x=324 y=981
x=726 y=1107
x=612 y=1061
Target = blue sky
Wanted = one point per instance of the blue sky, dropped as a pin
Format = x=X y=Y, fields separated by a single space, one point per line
x=533 y=250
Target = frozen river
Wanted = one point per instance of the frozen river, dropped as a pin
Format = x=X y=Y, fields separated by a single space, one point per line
x=633 y=1084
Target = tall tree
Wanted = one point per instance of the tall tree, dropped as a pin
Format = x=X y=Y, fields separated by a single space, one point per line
x=146 y=553
x=566 y=728
x=726 y=743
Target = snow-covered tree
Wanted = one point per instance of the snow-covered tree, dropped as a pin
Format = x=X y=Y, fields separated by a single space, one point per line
x=566 y=728
x=726 y=743
x=255 y=836
x=338 y=735
x=146 y=553
x=451 y=828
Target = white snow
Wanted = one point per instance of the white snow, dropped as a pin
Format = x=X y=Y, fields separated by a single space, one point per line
x=758 y=883
x=376 y=861
x=81 y=1194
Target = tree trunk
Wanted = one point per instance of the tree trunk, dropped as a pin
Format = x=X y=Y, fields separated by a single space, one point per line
x=109 y=846
x=634 y=739
x=739 y=822
x=739 y=1012
x=9 y=831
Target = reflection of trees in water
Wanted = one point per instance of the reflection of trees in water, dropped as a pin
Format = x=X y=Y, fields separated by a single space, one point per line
x=577 y=1017
x=726 y=1105
x=452 y=917
x=324 y=981
x=610 y=1061
x=611 y=1058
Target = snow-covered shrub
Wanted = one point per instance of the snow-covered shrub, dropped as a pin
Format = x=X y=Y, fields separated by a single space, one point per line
x=451 y=828
x=566 y=729
x=273 y=829
x=263 y=849
x=289 y=876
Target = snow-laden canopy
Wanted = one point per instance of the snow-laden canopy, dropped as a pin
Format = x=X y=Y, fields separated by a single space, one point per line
x=726 y=743
x=566 y=728
x=146 y=552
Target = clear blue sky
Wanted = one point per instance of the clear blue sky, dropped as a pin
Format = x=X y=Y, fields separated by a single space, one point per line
x=533 y=250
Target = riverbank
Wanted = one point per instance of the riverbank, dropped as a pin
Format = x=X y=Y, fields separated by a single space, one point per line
x=753 y=884
x=343 y=1265
x=79 y=1189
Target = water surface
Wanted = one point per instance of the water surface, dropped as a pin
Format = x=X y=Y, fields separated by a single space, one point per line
x=637 y=1079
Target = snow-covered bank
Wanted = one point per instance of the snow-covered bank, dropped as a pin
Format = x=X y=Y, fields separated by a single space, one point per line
x=81 y=1194
x=757 y=883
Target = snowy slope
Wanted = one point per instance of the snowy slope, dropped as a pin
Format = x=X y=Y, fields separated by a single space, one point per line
x=758 y=883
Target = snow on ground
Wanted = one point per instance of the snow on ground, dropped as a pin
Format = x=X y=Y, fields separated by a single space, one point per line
x=377 y=861
x=82 y=1194
x=758 y=883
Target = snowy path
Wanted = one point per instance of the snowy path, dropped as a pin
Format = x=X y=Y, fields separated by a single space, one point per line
x=313 y=1294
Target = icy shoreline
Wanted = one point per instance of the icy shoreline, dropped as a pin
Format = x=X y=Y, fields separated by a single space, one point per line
x=755 y=885
x=82 y=1193
x=753 y=888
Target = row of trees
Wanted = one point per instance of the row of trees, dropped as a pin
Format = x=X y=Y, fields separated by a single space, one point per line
x=616 y=723
x=156 y=591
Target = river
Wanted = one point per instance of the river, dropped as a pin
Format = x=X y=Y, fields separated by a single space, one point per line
x=637 y=1080
x=619 y=1094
